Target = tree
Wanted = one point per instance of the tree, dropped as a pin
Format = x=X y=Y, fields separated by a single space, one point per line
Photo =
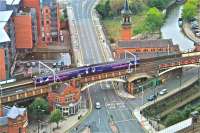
x=174 y=118
x=153 y=20
x=100 y=9
x=116 y=6
x=39 y=106
x=56 y=116
x=190 y=10
x=160 y=4
x=65 y=13
x=137 y=6
x=107 y=9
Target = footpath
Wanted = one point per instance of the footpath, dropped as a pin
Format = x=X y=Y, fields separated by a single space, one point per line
x=64 y=125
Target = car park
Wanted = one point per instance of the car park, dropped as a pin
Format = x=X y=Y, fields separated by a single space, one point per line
x=163 y=92
x=151 y=97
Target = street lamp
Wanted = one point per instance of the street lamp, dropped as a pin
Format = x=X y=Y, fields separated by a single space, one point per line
x=135 y=58
x=1 y=90
x=198 y=71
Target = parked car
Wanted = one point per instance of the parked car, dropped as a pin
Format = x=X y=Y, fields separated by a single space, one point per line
x=197 y=34
x=151 y=97
x=163 y=92
x=196 y=30
x=180 y=21
x=97 y=105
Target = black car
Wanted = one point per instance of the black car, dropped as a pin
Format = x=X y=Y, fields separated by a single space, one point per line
x=151 y=97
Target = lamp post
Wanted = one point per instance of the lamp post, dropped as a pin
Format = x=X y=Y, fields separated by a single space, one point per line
x=135 y=58
x=198 y=71
x=1 y=90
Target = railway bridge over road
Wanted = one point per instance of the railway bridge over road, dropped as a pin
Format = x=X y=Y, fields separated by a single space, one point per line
x=147 y=68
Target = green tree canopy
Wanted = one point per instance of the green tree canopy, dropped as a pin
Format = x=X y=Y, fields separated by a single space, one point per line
x=174 y=118
x=153 y=20
x=56 y=116
x=38 y=106
x=190 y=9
x=137 y=6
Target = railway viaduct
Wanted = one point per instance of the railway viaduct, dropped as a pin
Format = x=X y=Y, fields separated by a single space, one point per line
x=146 y=69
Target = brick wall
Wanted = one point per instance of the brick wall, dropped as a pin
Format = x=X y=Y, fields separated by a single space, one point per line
x=23 y=32
x=2 y=65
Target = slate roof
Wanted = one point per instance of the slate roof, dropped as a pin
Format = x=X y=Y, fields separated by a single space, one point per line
x=11 y=112
x=14 y=112
x=159 y=43
x=5 y=16
x=126 y=10
x=13 y=2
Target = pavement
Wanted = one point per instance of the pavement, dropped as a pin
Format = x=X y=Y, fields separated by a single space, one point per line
x=143 y=121
x=64 y=125
x=187 y=30
x=122 y=93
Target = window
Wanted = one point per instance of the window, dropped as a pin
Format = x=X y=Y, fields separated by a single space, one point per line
x=57 y=99
x=137 y=50
x=69 y=98
x=145 y=50
x=46 y=11
x=47 y=22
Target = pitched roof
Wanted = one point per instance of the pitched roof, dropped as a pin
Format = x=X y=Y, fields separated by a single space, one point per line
x=14 y=112
x=126 y=10
x=4 y=36
x=3 y=120
x=159 y=43
x=12 y=2
x=5 y=16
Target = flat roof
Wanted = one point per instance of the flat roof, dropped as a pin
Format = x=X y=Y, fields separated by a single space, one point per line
x=13 y=2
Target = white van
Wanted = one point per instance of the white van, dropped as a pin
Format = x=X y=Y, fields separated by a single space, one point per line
x=97 y=105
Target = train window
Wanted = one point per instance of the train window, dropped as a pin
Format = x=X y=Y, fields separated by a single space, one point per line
x=93 y=69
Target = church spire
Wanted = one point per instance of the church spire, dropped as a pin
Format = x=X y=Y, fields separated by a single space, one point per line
x=126 y=10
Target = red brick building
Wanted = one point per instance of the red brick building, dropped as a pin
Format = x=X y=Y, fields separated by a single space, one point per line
x=23 y=31
x=146 y=48
x=13 y=120
x=66 y=98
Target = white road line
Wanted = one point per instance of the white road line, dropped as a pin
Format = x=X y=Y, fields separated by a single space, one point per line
x=99 y=118
x=106 y=106
x=125 y=120
x=118 y=110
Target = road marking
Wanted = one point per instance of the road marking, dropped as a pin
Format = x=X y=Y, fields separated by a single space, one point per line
x=125 y=120
x=99 y=118
x=119 y=109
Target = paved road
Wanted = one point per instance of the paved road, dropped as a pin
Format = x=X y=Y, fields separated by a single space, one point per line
x=92 y=53
x=112 y=105
x=89 y=43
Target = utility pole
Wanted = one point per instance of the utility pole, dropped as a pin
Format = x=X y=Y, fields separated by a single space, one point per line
x=134 y=56
x=198 y=72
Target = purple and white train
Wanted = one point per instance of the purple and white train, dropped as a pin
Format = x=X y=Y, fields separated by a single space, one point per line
x=86 y=70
